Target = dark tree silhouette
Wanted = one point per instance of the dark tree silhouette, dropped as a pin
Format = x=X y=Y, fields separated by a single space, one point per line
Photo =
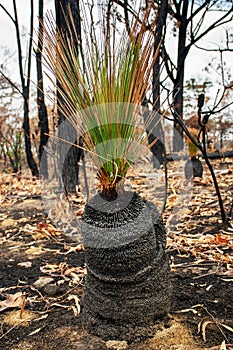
x=189 y=17
x=25 y=77
x=42 y=110
x=70 y=169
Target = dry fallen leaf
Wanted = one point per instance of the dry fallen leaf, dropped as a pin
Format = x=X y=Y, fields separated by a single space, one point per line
x=77 y=307
x=202 y=327
x=219 y=239
x=42 y=281
x=42 y=230
x=13 y=300
x=227 y=327
x=35 y=331
x=8 y=223
x=34 y=250
x=77 y=248
x=192 y=309
x=46 y=230
x=26 y=264
x=223 y=346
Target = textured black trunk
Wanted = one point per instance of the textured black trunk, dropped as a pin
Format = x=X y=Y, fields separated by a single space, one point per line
x=179 y=81
x=42 y=110
x=25 y=83
x=127 y=285
x=28 y=147
x=158 y=149
x=70 y=168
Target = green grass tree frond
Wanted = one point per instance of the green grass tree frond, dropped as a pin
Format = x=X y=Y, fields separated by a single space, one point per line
x=102 y=84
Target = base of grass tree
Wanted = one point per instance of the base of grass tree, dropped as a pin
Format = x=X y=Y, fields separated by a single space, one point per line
x=127 y=292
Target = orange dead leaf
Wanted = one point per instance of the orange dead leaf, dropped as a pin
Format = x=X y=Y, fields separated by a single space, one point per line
x=47 y=230
x=219 y=239
x=79 y=212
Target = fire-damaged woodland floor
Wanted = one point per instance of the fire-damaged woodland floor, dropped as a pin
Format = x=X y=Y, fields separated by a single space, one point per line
x=42 y=271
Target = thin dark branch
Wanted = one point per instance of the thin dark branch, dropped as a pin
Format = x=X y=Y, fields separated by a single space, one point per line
x=129 y=8
x=214 y=25
x=11 y=82
x=126 y=13
x=185 y=129
x=222 y=69
x=108 y=15
x=198 y=24
x=202 y=148
x=208 y=163
x=19 y=47
x=194 y=13
x=8 y=13
x=217 y=111
x=30 y=49
x=167 y=60
x=177 y=13
x=213 y=50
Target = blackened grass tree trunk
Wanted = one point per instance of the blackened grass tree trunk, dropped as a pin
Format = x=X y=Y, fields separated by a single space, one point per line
x=42 y=110
x=127 y=292
x=71 y=155
x=128 y=289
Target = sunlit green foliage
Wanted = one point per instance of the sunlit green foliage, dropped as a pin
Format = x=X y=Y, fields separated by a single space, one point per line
x=101 y=84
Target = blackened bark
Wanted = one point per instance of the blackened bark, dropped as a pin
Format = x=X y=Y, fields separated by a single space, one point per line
x=70 y=167
x=28 y=150
x=42 y=110
x=26 y=94
x=179 y=81
x=158 y=149
x=127 y=292
x=25 y=84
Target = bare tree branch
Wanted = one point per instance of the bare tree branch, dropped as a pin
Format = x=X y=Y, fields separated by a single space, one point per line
x=30 y=49
x=126 y=6
x=214 y=25
x=11 y=82
x=19 y=48
x=213 y=50
x=167 y=60
x=126 y=13
x=198 y=10
x=8 y=13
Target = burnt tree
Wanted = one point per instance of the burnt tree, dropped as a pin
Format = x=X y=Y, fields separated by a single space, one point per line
x=42 y=110
x=71 y=155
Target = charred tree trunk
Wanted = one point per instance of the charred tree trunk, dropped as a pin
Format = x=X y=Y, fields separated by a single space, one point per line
x=179 y=81
x=158 y=149
x=28 y=147
x=26 y=89
x=42 y=110
x=72 y=157
x=127 y=292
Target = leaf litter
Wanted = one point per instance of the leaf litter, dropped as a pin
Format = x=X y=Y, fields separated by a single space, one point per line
x=197 y=243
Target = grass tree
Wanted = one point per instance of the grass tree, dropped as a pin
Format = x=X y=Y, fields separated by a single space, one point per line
x=103 y=84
